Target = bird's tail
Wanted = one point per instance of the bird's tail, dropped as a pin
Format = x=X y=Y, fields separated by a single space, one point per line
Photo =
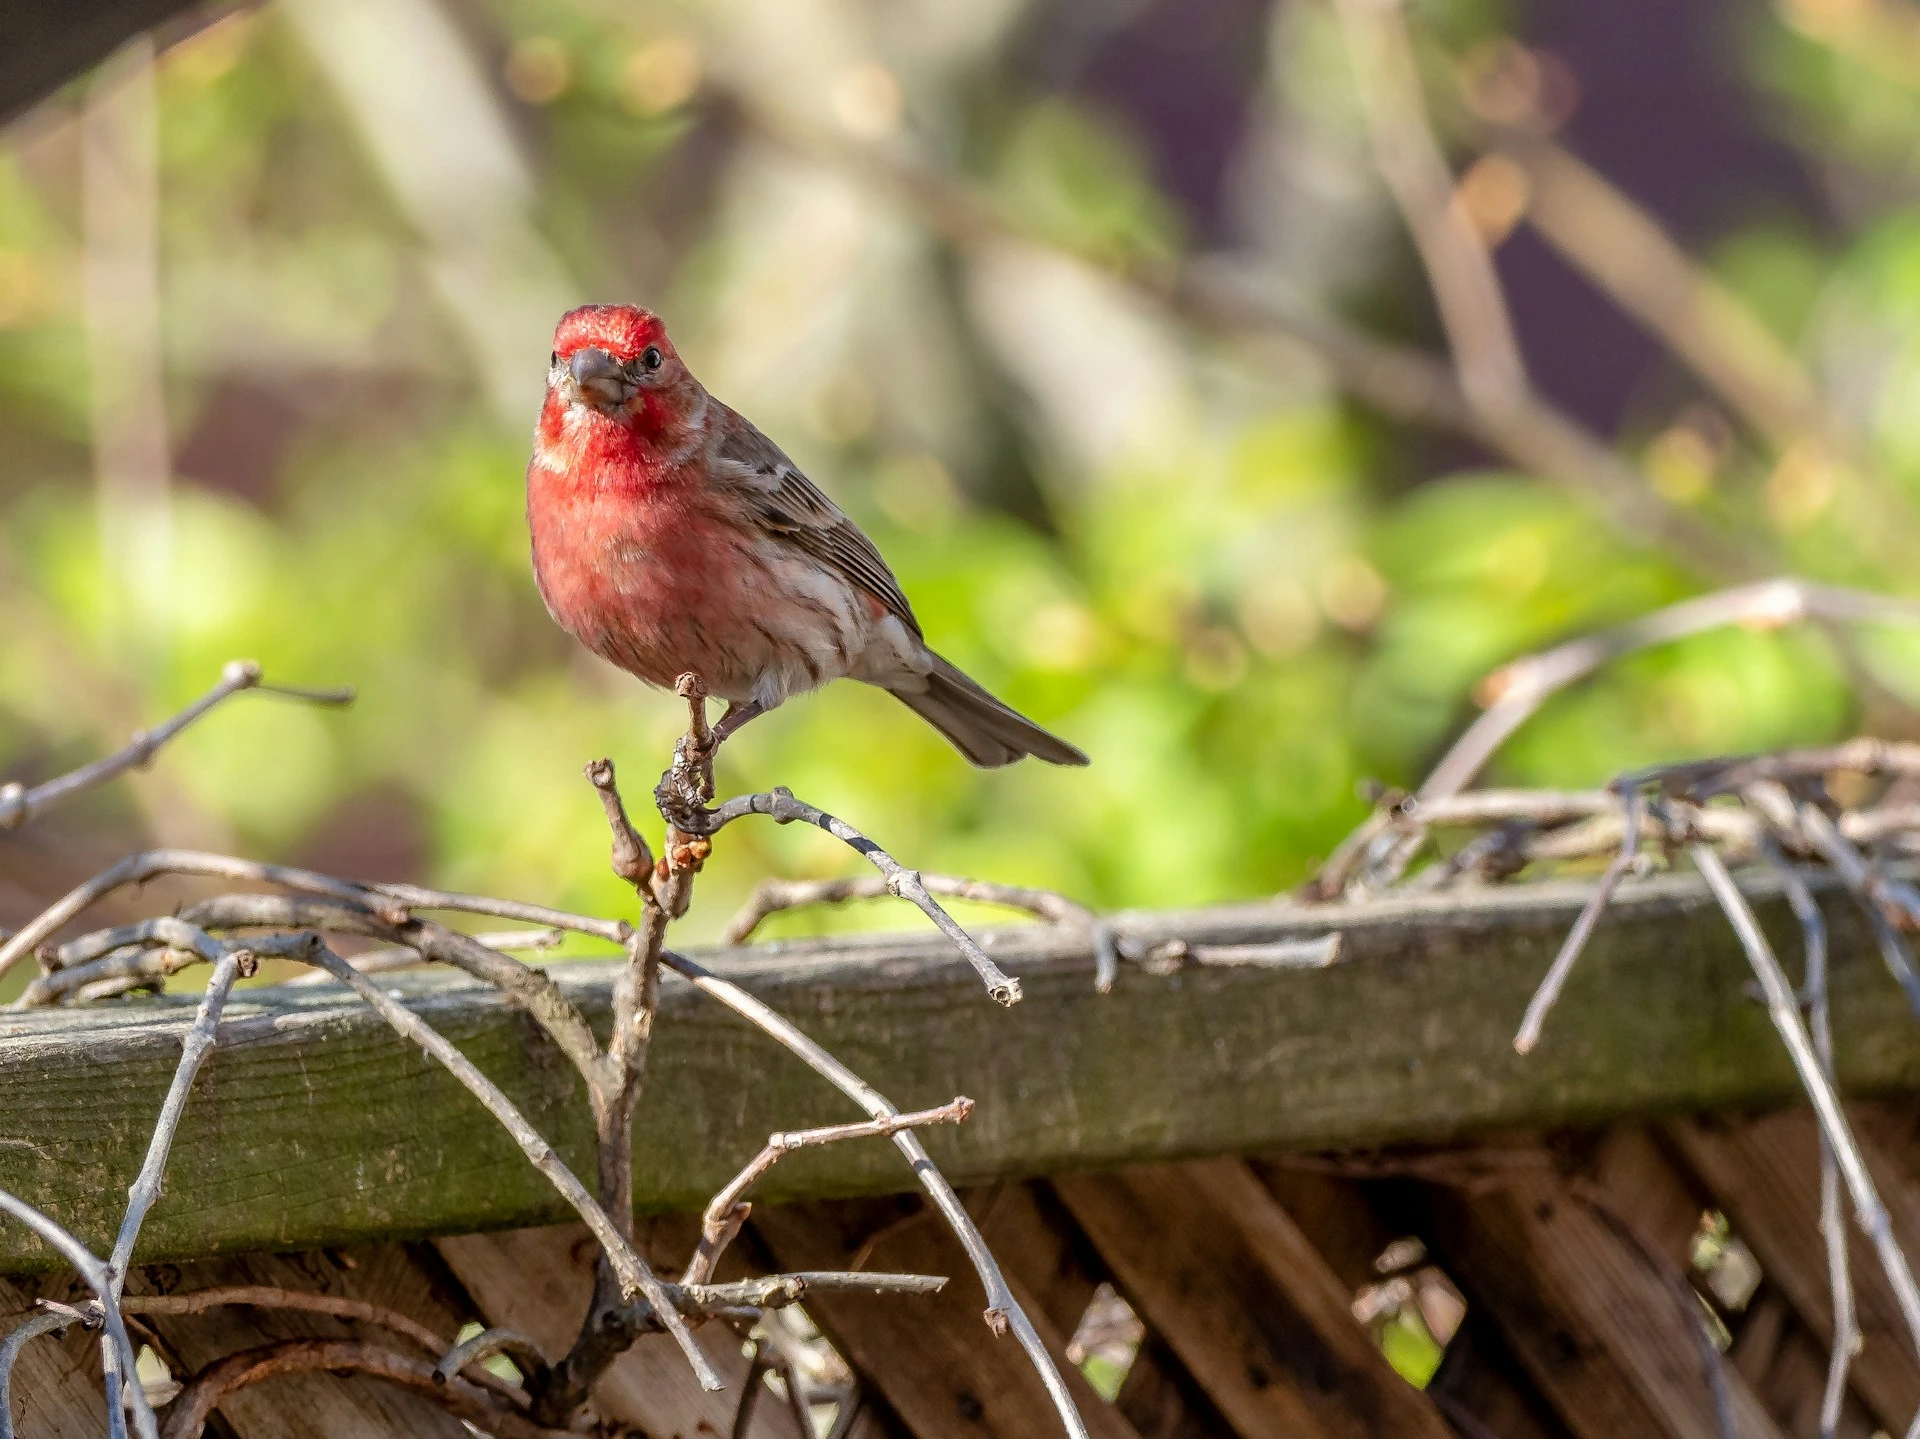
x=983 y=729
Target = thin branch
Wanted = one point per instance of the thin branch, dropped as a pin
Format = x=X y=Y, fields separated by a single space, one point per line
x=413 y=896
x=524 y=1351
x=190 y=1410
x=1517 y=691
x=194 y=1048
x=1003 y=1309
x=1472 y=309
x=32 y=1327
x=533 y=990
x=725 y=1213
x=1833 y=1221
x=635 y=1276
x=20 y=806
x=905 y=883
x=262 y=1296
x=145 y=1190
x=775 y=896
x=1620 y=247
x=1785 y=1012
x=797 y=1404
x=100 y=1280
x=1556 y=979
x=151 y=864
x=631 y=858
x=604 y=1331
x=389 y=961
x=776 y=1291
x=1874 y=894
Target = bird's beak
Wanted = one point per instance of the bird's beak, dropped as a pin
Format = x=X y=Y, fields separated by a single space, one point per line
x=599 y=379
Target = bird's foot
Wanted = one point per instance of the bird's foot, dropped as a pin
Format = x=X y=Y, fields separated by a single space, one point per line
x=687 y=786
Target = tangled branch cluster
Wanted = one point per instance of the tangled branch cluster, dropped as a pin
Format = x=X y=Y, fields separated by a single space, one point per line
x=299 y=920
x=1782 y=811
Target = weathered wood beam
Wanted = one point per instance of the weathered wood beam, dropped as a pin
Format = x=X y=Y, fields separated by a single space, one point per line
x=314 y=1125
x=45 y=43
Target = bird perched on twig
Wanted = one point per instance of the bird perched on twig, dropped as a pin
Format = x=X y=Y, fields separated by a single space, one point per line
x=670 y=536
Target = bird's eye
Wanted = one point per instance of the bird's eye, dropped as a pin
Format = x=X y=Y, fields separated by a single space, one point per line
x=651 y=357
x=553 y=359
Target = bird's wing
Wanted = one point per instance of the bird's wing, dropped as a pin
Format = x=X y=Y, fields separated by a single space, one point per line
x=748 y=464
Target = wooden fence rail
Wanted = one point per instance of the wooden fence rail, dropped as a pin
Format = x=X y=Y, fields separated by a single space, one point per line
x=314 y=1125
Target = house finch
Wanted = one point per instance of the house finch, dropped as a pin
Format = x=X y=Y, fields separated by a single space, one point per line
x=669 y=535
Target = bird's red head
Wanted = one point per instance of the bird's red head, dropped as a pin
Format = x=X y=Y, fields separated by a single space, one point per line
x=616 y=386
x=623 y=331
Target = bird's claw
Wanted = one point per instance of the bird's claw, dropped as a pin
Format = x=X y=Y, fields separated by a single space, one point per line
x=687 y=786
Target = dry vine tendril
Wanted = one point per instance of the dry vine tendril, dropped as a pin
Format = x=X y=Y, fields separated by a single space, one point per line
x=298 y=922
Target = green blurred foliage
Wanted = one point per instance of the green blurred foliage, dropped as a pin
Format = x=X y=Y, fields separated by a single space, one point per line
x=1187 y=555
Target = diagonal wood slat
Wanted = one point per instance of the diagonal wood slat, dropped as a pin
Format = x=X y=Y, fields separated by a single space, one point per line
x=936 y=1363
x=1765 y=1173
x=1037 y=1242
x=1217 y=1268
x=1350 y=1224
x=1612 y=1345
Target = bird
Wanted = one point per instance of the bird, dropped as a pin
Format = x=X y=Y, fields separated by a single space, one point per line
x=671 y=537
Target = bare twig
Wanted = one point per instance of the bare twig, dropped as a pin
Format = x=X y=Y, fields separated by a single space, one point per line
x=30 y=1328
x=1472 y=308
x=631 y=858
x=635 y=1276
x=1168 y=956
x=100 y=1280
x=532 y=989
x=151 y=864
x=774 y=896
x=1003 y=1309
x=145 y=1189
x=413 y=896
x=1875 y=896
x=1833 y=1224
x=783 y=1365
x=1785 y=1012
x=1624 y=251
x=776 y=1291
x=1516 y=691
x=1576 y=941
x=263 y=1296
x=906 y=883
x=387 y=961
x=727 y=1211
x=524 y=1352
x=606 y=1331
x=20 y=805
x=189 y=1412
